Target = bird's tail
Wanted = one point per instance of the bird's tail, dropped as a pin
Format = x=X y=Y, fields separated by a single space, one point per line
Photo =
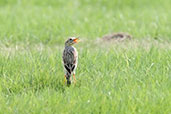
x=68 y=78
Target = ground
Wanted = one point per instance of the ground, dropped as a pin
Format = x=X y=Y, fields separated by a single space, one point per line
x=131 y=76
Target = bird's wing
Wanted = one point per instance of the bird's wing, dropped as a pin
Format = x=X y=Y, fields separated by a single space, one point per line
x=69 y=59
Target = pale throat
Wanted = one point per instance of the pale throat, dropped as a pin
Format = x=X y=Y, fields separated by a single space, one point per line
x=69 y=45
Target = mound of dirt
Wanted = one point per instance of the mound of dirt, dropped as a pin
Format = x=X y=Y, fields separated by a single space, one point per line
x=117 y=36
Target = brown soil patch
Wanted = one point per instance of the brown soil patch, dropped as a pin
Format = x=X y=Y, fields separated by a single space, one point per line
x=117 y=36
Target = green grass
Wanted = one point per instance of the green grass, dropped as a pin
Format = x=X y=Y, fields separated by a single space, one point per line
x=112 y=77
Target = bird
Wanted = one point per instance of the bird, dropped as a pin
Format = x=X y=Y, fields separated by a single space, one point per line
x=70 y=59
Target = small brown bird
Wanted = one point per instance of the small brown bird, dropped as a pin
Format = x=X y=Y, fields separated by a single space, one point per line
x=70 y=59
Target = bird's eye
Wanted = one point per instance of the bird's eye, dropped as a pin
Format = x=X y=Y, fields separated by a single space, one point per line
x=70 y=39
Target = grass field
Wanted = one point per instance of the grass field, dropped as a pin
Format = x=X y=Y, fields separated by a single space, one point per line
x=127 y=77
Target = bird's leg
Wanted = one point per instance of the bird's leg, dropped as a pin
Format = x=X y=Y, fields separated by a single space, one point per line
x=64 y=79
x=74 y=78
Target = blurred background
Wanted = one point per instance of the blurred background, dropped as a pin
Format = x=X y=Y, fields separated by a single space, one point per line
x=51 y=21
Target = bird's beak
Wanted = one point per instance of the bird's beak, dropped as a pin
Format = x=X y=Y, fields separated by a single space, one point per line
x=76 y=40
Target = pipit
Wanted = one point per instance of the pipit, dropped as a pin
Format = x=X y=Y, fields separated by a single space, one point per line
x=70 y=59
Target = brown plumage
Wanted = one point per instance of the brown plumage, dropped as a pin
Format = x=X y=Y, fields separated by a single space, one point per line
x=70 y=59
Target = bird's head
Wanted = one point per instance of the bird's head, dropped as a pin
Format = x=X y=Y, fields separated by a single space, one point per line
x=71 y=41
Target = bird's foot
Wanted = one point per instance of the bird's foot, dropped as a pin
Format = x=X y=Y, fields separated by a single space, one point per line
x=74 y=78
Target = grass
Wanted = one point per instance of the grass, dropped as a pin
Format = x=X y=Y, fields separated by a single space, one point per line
x=112 y=77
